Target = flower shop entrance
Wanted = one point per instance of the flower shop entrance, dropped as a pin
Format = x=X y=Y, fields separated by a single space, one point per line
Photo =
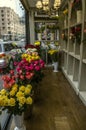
x=57 y=107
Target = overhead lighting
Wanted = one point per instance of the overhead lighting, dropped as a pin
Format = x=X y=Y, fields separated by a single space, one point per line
x=57 y=4
x=44 y=5
x=39 y=5
x=45 y=2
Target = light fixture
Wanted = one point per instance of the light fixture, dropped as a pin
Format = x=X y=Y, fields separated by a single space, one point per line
x=45 y=2
x=57 y=4
x=39 y=4
x=45 y=6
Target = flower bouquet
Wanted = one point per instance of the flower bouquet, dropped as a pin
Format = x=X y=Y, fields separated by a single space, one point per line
x=15 y=98
x=54 y=57
x=53 y=53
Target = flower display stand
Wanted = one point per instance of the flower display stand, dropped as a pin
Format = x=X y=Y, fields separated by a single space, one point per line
x=19 y=122
x=55 y=65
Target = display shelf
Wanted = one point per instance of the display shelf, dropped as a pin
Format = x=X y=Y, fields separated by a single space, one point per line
x=82 y=95
x=71 y=54
x=76 y=70
x=65 y=61
x=71 y=46
x=84 y=61
x=46 y=31
x=77 y=49
x=70 y=65
x=75 y=24
x=65 y=50
x=74 y=84
x=84 y=50
x=82 y=85
x=77 y=57
x=65 y=45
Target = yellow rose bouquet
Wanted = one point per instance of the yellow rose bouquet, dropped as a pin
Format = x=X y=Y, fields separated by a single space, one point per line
x=16 y=99
x=53 y=53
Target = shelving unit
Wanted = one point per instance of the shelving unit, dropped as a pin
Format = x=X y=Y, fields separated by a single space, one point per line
x=74 y=48
x=46 y=31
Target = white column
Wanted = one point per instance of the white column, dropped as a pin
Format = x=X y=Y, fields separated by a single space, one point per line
x=31 y=25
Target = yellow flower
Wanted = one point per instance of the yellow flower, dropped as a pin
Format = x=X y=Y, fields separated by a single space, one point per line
x=12 y=93
x=5 y=101
x=29 y=100
x=19 y=94
x=3 y=92
x=37 y=43
x=29 y=86
x=27 y=91
x=22 y=88
x=22 y=100
x=11 y=102
x=65 y=11
x=14 y=87
x=1 y=101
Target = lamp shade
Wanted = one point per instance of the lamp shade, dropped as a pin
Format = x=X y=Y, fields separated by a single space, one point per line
x=45 y=2
x=39 y=5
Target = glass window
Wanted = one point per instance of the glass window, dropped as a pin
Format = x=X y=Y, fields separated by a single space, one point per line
x=2 y=11
x=0 y=48
x=2 y=15
x=8 y=47
x=2 y=19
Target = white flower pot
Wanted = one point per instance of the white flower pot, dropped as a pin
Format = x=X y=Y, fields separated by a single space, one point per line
x=79 y=16
x=19 y=122
x=55 y=65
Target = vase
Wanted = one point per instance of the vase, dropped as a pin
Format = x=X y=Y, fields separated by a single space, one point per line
x=19 y=122
x=79 y=16
x=55 y=65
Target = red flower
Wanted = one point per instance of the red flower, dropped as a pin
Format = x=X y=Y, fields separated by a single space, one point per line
x=22 y=77
x=12 y=72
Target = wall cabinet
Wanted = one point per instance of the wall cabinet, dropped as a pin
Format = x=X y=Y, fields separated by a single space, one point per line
x=73 y=42
x=46 y=31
